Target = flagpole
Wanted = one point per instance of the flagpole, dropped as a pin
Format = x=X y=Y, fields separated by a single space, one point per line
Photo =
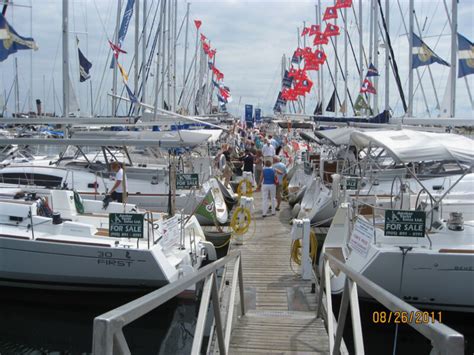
x=376 y=57
x=410 y=59
x=195 y=69
x=387 y=56
x=321 y=69
x=175 y=33
x=318 y=91
x=454 y=32
x=163 y=52
x=185 y=48
x=114 y=80
x=345 y=64
x=65 y=59
x=361 y=45
x=169 y=61
x=335 y=63
x=144 y=39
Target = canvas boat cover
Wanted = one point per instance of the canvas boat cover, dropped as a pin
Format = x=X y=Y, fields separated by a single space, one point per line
x=413 y=146
x=339 y=136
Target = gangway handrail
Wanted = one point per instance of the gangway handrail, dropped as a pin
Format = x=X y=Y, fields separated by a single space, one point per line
x=108 y=337
x=445 y=341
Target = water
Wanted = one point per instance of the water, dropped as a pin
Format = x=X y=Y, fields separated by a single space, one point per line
x=33 y=325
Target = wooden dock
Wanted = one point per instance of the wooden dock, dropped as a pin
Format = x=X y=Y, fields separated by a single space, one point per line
x=280 y=308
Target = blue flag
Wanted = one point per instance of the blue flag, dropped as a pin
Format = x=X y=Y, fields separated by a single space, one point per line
x=466 y=56
x=133 y=98
x=423 y=55
x=372 y=71
x=127 y=15
x=84 y=67
x=11 y=42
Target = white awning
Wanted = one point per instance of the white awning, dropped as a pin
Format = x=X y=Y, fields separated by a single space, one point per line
x=413 y=146
x=338 y=136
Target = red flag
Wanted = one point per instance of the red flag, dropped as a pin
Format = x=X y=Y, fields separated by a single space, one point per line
x=340 y=4
x=206 y=47
x=367 y=87
x=320 y=56
x=331 y=30
x=305 y=31
x=116 y=49
x=314 y=29
x=289 y=95
x=203 y=38
x=302 y=87
x=330 y=13
x=197 y=23
x=297 y=74
x=212 y=53
x=320 y=38
x=311 y=65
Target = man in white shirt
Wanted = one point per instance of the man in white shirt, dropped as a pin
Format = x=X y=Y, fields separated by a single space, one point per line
x=117 y=190
x=268 y=151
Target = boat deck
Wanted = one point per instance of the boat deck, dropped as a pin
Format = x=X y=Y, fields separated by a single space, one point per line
x=280 y=308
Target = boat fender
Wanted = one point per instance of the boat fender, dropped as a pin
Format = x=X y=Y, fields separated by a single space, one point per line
x=336 y=187
x=296 y=210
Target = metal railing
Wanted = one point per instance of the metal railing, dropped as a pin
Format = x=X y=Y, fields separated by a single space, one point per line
x=108 y=337
x=445 y=341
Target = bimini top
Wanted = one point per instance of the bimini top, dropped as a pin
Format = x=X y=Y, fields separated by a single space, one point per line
x=338 y=136
x=413 y=146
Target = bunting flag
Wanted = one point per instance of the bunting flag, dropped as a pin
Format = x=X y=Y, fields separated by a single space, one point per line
x=297 y=56
x=330 y=13
x=215 y=83
x=320 y=38
x=224 y=92
x=466 y=56
x=343 y=108
x=287 y=80
x=318 y=110
x=133 y=98
x=123 y=73
x=203 y=38
x=320 y=56
x=207 y=206
x=116 y=49
x=331 y=30
x=311 y=65
x=297 y=74
x=210 y=65
x=367 y=87
x=305 y=31
x=332 y=103
x=206 y=47
x=212 y=53
x=277 y=108
x=360 y=105
x=127 y=15
x=289 y=95
x=340 y=4
x=314 y=29
x=84 y=67
x=423 y=55
x=372 y=71
x=302 y=87
x=11 y=41
x=217 y=73
x=197 y=23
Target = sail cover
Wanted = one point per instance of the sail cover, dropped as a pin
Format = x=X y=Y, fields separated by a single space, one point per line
x=413 y=146
x=340 y=136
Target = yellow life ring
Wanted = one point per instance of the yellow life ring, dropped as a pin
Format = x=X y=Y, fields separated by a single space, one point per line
x=297 y=246
x=248 y=188
x=240 y=221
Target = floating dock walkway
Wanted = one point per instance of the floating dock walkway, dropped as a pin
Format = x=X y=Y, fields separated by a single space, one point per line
x=280 y=308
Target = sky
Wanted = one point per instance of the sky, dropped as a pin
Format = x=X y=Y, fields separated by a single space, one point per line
x=250 y=37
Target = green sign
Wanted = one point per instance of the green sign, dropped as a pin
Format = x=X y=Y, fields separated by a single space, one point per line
x=351 y=183
x=126 y=225
x=187 y=181
x=400 y=223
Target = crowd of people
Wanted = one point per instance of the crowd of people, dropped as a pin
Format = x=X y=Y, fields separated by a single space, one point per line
x=263 y=156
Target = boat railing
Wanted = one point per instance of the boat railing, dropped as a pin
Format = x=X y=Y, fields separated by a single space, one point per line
x=108 y=336
x=444 y=340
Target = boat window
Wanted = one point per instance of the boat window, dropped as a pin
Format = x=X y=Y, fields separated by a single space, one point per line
x=46 y=180
x=14 y=178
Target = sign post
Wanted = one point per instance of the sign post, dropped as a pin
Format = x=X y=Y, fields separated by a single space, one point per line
x=400 y=223
x=126 y=225
x=187 y=181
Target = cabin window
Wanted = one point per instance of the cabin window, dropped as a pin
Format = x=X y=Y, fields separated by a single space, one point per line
x=49 y=181
x=14 y=178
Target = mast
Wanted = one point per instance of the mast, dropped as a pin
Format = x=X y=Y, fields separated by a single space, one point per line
x=137 y=25
x=185 y=48
x=163 y=51
x=335 y=64
x=410 y=60
x=144 y=51
x=114 y=80
x=157 y=77
x=175 y=39
x=169 y=62
x=454 y=33
x=345 y=64
x=376 y=56
x=193 y=94
x=318 y=20
x=17 y=88
x=65 y=60
x=387 y=56
x=321 y=68
x=361 y=45
x=31 y=60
